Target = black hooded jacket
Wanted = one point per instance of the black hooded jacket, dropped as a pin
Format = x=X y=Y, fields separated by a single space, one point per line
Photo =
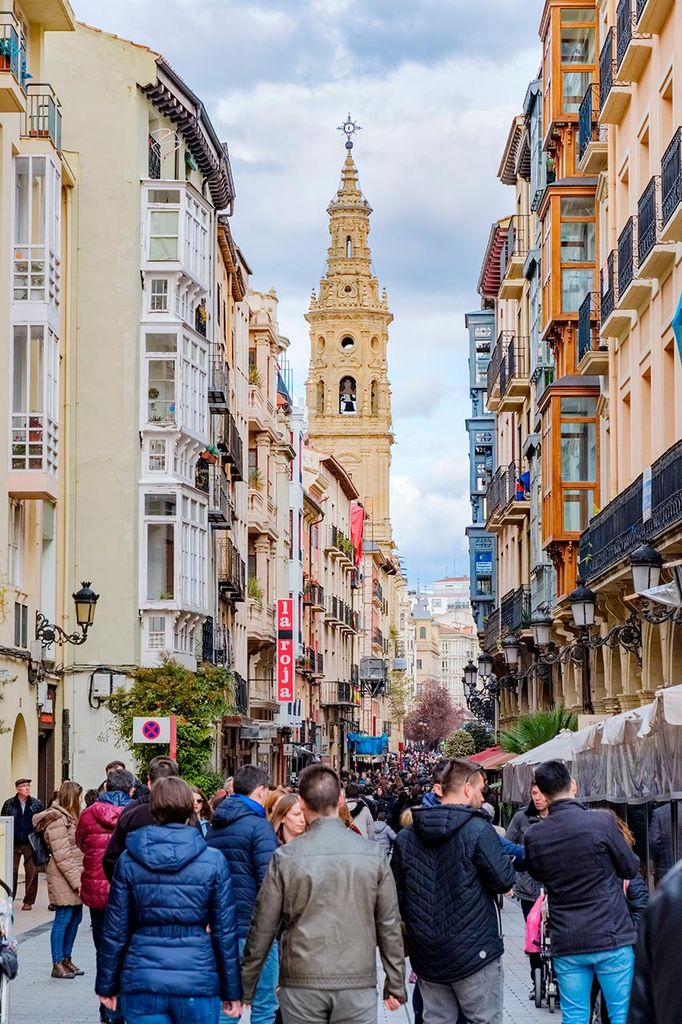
x=448 y=867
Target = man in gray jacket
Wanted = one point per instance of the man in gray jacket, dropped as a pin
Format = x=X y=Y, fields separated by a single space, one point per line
x=334 y=895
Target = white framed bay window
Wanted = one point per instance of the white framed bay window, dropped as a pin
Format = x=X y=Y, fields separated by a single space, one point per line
x=175 y=550
x=35 y=397
x=177 y=229
x=175 y=382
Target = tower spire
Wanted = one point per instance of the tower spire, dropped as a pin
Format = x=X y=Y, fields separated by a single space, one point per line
x=349 y=128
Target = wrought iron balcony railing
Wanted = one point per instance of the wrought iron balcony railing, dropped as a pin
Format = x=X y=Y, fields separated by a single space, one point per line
x=671 y=178
x=515 y=610
x=606 y=68
x=491 y=632
x=626 y=256
x=588 y=127
x=647 y=219
x=623 y=29
x=609 y=286
x=588 y=316
x=43 y=118
x=620 y=527
x=12 y=49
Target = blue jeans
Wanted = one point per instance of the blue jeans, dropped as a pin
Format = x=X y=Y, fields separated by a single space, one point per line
x=64 y=929
x=613 y=970
x=265 y=1004
x=147 y=1008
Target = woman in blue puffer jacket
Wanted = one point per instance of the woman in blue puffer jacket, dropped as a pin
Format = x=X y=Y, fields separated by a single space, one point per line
x=169 y=950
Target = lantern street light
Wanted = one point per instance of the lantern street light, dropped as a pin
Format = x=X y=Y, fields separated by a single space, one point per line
x=85 y=601
x=646 y=564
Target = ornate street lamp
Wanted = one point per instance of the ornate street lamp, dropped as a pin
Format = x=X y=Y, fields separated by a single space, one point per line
x=583 y=602
x=470 y=675
x=510 y=649
x=485 y=665
x=85 y=601
x=646 y=564
x=541 y=624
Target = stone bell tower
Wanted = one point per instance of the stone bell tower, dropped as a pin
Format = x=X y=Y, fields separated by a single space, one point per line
x=348 y=391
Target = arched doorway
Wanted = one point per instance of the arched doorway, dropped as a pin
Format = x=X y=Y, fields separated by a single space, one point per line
x=20 y=756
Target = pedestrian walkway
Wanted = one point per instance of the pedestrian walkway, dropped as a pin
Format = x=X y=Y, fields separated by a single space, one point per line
x=36 y=996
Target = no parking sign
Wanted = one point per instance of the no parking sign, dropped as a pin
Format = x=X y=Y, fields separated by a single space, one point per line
x=151 y=730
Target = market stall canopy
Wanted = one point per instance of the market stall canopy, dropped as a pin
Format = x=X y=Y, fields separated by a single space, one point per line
x=492 y=758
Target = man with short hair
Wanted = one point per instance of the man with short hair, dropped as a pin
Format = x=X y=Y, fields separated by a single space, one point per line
x=240 y=830
x=582 y=859
x=333 y=895
x=22 y=806
x=137 y=814
x=449 y=868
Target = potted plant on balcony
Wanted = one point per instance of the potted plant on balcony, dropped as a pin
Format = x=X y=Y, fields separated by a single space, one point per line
x=255 y=591
x=255 y=377
x=210 y=454
x=256 y=480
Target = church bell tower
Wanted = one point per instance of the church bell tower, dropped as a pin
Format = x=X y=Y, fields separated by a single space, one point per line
x=348 y=391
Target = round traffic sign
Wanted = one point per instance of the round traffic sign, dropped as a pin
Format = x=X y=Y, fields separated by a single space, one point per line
x=151 y=730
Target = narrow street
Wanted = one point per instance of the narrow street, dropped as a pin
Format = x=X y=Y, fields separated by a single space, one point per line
x=75 y=1003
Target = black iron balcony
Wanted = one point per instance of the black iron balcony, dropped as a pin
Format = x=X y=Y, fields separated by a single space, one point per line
x=620 y=528
x=623 y=29
x=154 y=168
x=231 y=570
x=12 y=50
x=230 y=443
x=588 y=325
x=516 y=244
x=491 y=632
x=493 y=371
x=218 y=382
x=377 y=638
x=626 y=256
x=515 y=610
x=588 y=128
x=43 y=118
x=241 y=694
x=609 y=287
x=514 y=368
x=671 y=180
x=647 y=229
x=336 y=693
x=606 y=69
x=219 y=510
x=216 y=643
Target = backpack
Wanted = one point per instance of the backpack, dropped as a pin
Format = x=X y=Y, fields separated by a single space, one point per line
x=40 y=851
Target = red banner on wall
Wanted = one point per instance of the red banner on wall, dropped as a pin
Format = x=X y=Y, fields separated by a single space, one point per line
x=285 y=650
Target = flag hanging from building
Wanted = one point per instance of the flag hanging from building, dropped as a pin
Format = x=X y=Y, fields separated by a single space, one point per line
x=285 y=650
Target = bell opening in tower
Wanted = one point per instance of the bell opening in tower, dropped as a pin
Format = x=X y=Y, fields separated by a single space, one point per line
x=349 y=247
x=348 y=405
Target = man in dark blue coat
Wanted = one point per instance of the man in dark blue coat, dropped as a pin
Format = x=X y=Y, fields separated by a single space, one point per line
x=448 y=868
x=242 y=833
x=582 y=859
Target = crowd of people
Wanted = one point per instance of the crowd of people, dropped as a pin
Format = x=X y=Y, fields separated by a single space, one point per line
x=279 y=897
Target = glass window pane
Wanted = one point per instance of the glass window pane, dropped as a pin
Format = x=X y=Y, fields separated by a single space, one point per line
x=19 y=370
x=577 y=242
x=575 y=284
x=578 y=405
x=159 y=504
x=577 y=206
x=35 y=398
x=577 y=14
x=579 y=452
x=577 y=46
x=161 y=342
x=160 y=561
x=161 y=391
x=575 y=85
x=37 y=227
x=578 y=510
x=21 y=203
x=163 y=241
x=162 y=195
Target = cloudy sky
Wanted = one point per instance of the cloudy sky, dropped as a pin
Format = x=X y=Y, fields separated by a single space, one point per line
x=434 y=84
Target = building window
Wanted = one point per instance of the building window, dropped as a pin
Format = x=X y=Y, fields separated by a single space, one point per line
x=349 y=247
x=161 y=372
x=160 y=546
x=197 y=222
x=419 y=664
x=578 y=461
x=35 y=393
x=320 y=398
x=578 y=56
x=156 y=462
x=194 y=385
x=157 y=633
x=578 y=255
x=194 y=552
x=163 y=235
x=159 y=295
x=422 y=632
x=348 y=405
x=374 y=398
x=20 y=625
x=37 y=232
x=15 y=552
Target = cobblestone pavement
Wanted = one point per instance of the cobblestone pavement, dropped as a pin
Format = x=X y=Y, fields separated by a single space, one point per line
x=35 y=996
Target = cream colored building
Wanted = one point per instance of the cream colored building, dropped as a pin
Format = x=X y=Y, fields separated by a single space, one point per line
x=37 y=268
x=457 y=645
x=426 y=648
x=270 y=455
x=150 y=479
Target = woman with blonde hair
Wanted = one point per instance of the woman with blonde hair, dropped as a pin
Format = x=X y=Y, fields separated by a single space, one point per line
x=286 y=818
x=58 y=825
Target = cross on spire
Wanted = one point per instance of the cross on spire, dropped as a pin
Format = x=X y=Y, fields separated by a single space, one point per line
x=349 y=128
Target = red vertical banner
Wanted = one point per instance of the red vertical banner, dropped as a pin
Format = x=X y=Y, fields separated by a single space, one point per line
x=285 y=650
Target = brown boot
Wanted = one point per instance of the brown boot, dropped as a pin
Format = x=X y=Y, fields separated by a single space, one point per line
x=70 y=966
x=60 y=971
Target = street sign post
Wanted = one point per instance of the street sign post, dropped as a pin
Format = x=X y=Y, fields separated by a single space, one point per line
x=151 y=730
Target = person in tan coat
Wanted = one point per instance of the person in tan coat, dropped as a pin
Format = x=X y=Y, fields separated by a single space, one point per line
x=58 y=825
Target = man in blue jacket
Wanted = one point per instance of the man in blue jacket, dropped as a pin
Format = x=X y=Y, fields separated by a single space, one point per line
x=449 y=867
x=582 y=859
x=242 y=833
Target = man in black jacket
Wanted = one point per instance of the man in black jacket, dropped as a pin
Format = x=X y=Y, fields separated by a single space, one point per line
x=448 y=868
x=137 y=814
x=582 y=859
x=656 y=991
x=22 y=807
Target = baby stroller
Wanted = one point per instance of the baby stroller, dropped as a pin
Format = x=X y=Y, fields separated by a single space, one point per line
x=544 y=979
x=8 y=950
